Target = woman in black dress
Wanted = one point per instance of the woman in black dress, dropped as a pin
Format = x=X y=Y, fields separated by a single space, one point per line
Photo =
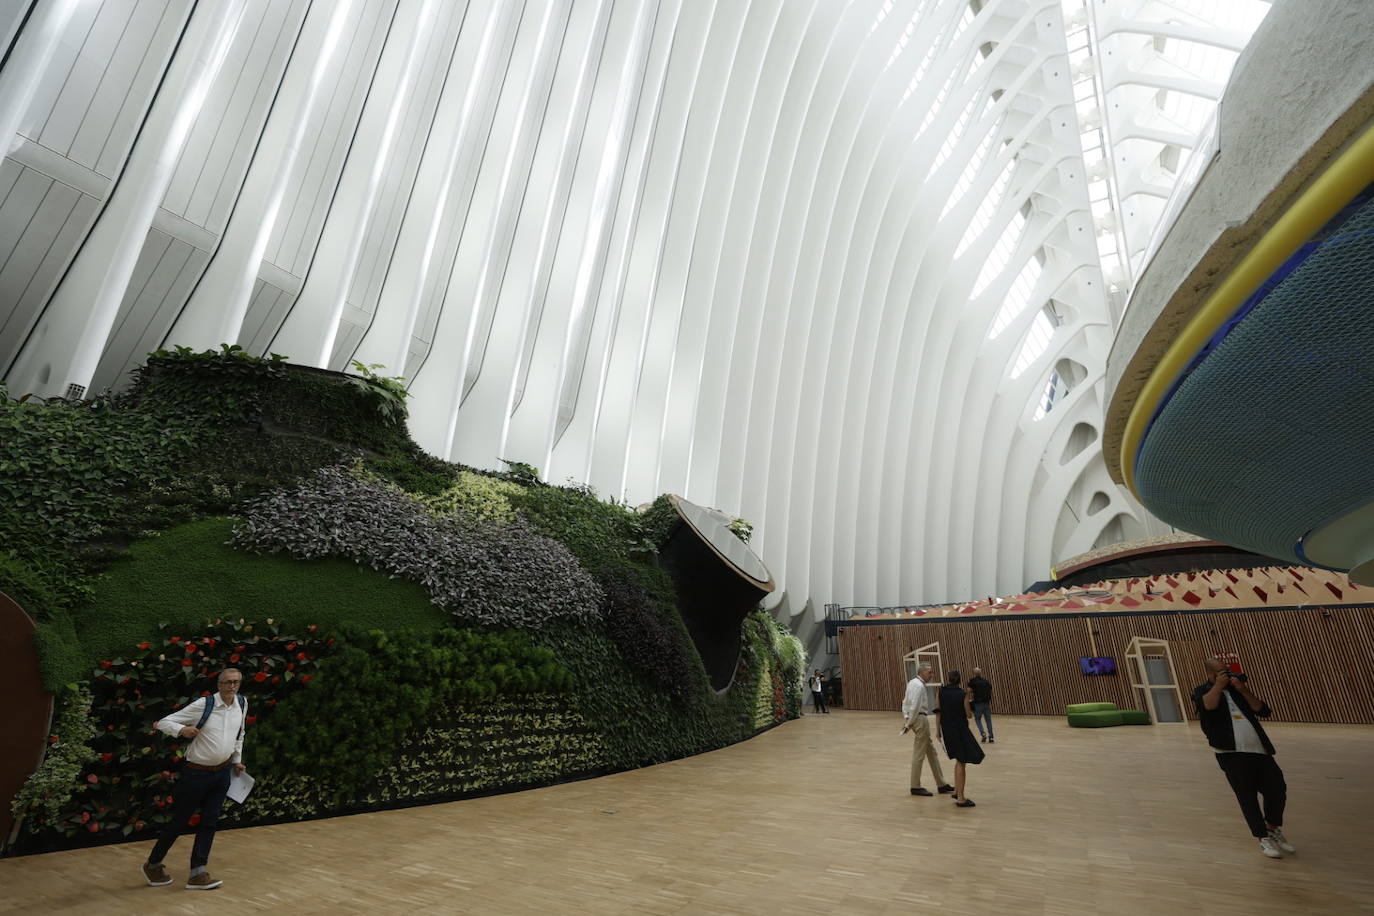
x=953 y=713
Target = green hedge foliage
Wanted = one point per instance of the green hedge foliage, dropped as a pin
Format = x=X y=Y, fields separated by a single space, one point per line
x=382 y=686
x=573 y=659
x=596 y=532
x=124 y=786
x=188 y=574
x=503 y=576
x=49 y=791
x=477 y=498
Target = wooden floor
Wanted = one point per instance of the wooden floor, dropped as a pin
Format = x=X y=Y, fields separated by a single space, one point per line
x=811 y=818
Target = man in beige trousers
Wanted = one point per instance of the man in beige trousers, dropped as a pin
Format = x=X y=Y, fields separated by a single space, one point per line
x=916 y=719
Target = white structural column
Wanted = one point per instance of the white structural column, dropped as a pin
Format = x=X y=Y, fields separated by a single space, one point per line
x=849 y=270
x=216 y=311
x=65 y=347
x=311 y=328
x=33 y=51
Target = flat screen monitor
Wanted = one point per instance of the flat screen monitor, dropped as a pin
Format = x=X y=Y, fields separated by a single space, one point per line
x=1097 y=665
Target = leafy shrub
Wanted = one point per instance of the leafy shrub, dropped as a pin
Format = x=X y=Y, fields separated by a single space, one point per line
x=50 y=788
x=596 y=532
x=62 y=660
x=335 y=407
x=478 y=499
x=497 y=576
x=659 y=521
x=42 y=582
x=63 y=469
x=647 y=638
x=522 y=473
x=380 y=686
x=124 y=786
x=642 y=726
x=221 y=386
x=508 y=742
x=742 y=529
x=426 y=478
x=388 y=392
x=189 y=573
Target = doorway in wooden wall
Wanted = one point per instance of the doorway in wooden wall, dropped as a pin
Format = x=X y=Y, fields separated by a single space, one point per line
x=912 y=661
x=1155 y=679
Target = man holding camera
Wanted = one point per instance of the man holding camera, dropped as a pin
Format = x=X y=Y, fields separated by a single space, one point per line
x=1226 y=710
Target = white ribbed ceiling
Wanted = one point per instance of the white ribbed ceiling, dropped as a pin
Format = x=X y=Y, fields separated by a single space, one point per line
x=836 y=267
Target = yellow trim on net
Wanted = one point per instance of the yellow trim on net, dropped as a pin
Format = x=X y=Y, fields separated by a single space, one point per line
x=1335 y=188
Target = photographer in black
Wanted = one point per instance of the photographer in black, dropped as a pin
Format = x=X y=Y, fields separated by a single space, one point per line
x=1226 y=709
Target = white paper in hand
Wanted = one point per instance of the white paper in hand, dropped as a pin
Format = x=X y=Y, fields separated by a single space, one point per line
x=240 y=784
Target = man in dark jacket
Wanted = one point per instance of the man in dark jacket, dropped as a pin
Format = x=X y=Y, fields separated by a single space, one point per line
x=982 y=704
x=1226 y=710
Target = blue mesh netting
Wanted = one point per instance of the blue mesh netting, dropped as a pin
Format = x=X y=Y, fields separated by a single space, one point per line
x=1272 y=434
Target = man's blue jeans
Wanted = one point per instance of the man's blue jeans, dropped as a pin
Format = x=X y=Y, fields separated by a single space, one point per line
x=982 y=712
x=195 y=789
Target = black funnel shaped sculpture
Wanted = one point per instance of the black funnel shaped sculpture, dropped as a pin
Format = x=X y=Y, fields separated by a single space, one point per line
x=719 y=580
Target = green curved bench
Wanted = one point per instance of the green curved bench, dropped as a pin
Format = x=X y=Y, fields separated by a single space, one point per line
x=1088 y=707
x=1100 y=718
x=1135 y=717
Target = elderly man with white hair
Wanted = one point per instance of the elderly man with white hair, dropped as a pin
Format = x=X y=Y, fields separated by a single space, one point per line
x=916 y=719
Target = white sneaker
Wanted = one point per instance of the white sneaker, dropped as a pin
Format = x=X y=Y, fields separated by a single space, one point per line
x=1270 y=848
x=1281 y=841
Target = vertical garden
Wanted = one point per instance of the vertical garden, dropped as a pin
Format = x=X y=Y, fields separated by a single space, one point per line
x=409 y=630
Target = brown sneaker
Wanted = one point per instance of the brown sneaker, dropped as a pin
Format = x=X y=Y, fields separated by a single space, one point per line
x=203 y=882
x=156 y=875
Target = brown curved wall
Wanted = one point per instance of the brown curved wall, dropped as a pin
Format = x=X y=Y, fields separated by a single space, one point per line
x=28 y=709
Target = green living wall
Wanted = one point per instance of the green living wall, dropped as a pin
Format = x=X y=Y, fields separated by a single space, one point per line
x=410 y=630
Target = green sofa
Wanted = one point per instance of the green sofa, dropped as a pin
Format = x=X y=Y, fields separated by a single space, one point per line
x=1102 y=715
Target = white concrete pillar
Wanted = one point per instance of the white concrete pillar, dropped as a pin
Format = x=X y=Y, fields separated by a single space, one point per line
x=67 y=342
x=449 y=152
x=216 y=310
x=312 y=326
x=32 y=53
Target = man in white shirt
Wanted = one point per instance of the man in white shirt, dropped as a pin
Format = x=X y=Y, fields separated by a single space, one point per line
x=1227 y=712
x=916 y=719
x=216 y=748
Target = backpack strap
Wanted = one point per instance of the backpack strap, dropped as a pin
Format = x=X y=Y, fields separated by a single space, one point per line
x=205 y=715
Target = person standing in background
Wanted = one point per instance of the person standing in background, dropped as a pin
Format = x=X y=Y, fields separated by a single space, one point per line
x=982 y=704
x=818 y=692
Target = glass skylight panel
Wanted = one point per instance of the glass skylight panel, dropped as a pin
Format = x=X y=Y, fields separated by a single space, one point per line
x=882 y=14
x=1047 y=397
x=935 y=106
x=952 y=138
x=965 y=21
x=1001 y=253
x=975 y=165
x=906 y=34
x=1183 y=110
x=1241 y=15
x=1195 y=59
x=923 y=66
x=1037 y=341
x=1018 y=296
x=982 y=217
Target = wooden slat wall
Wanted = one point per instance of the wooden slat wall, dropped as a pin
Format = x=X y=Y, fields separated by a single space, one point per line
x=1309 y=668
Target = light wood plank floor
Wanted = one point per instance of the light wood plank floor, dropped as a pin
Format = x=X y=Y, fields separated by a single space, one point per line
x=812 y=818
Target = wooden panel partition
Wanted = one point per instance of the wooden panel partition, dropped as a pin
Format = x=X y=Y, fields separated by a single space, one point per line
x=1310 y=664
